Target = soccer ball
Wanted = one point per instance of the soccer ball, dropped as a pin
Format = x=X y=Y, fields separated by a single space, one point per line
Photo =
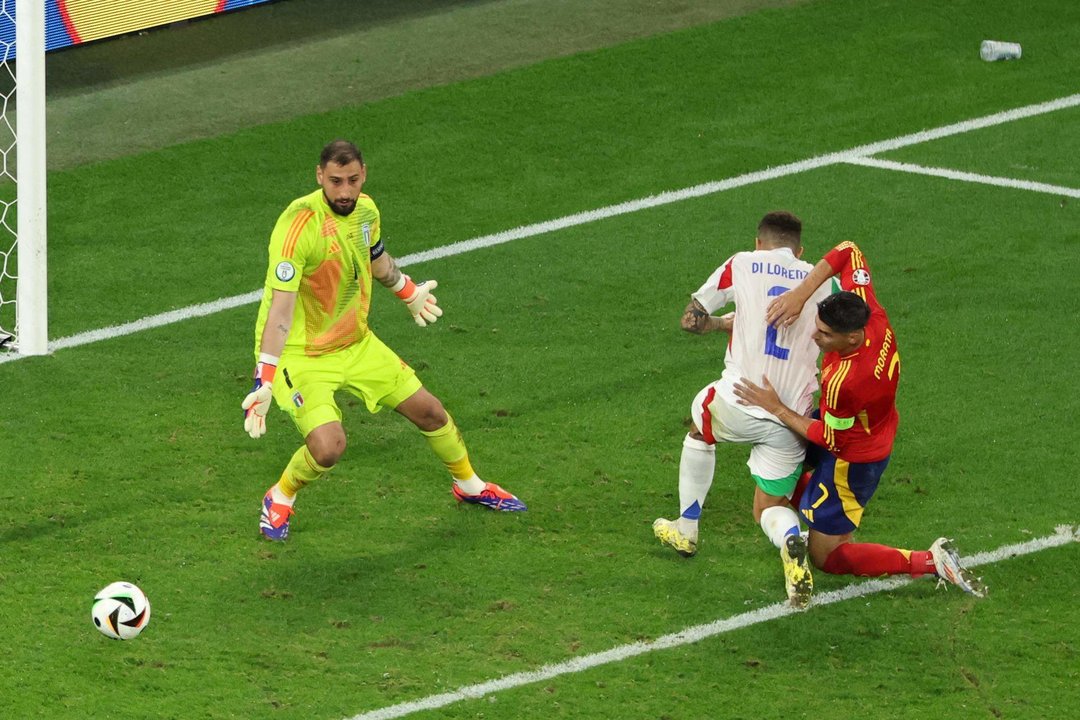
x=121 y=611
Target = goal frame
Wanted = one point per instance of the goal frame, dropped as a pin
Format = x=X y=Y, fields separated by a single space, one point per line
x=31 y=291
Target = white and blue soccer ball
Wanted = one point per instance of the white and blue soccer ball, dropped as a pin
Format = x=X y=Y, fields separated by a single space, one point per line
x=121 y=611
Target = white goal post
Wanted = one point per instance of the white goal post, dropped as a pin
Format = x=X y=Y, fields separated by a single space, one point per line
x=24 y=286
x=31 y=305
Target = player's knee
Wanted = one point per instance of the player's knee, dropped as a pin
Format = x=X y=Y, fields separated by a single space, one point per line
x=327 y=448
x=328 y=456
x=424 y=410
x=432 y=417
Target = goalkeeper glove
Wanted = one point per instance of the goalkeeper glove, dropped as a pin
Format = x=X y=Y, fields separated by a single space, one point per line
x=422 y=304
x=257 y=402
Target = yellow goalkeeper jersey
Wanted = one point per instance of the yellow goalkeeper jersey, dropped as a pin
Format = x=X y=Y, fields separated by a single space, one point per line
x=326 y=260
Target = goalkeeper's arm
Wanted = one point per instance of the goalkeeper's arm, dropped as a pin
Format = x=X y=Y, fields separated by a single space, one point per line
x=276 y=330
x=417 y=296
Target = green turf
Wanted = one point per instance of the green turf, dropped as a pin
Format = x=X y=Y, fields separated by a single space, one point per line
x=522 y=147
x=295 y=57
x=1038 y=150
x=561 y=359
x=886 y=656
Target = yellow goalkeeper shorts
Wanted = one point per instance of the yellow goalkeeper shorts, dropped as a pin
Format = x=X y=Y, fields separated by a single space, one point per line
x=304 y=386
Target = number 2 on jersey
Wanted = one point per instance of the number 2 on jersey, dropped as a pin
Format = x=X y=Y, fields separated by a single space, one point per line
x=771 y=346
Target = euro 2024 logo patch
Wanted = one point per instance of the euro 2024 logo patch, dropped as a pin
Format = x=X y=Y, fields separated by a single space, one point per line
x=284 y=271
x=861 y=276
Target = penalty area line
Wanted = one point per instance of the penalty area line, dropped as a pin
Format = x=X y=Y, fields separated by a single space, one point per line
x=855 y=155
x=1063 y=535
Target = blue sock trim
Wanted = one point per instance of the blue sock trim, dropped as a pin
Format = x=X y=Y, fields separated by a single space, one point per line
x=693 y=512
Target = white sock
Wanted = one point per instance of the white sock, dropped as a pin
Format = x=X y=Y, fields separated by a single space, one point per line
x=472 y=486
x=778 y=522
x=279 y=497
x=696 y=468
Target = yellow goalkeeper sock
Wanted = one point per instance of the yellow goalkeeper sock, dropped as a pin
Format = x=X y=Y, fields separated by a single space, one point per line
x=449 y=446
x=301 y=470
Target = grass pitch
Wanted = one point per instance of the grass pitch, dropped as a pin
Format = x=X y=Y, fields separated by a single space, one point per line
x=561 y=359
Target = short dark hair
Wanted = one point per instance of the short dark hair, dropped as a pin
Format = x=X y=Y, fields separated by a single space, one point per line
x=781 y=228
x=339 y=152
x=844 y=312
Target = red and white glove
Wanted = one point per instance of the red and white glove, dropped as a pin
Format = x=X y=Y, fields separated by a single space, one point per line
x=257 y=402
x=422 y=304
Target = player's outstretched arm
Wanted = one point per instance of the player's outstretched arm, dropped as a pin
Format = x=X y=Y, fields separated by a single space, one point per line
x=416 y=296
x=278 y=322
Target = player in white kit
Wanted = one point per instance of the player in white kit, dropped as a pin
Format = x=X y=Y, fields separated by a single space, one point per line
x=785 y=356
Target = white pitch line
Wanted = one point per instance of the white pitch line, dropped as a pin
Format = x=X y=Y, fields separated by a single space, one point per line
x=751 y=178
x=154 y=321
x=1063 y=535
x=1005 y=182
x=582 y=218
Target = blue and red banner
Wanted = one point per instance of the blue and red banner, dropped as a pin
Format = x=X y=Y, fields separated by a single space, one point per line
x=71 y=22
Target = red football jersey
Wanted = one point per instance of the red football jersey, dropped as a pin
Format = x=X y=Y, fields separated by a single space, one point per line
x=858 y=390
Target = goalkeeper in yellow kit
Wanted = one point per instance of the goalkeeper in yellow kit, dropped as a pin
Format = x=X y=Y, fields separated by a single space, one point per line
x=312 y=339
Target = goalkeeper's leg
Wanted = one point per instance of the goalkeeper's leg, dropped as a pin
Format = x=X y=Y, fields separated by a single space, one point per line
x=426 y=412
x=322 y=448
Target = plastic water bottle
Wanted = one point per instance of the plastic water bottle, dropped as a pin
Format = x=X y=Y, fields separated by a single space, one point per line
x=992 y=50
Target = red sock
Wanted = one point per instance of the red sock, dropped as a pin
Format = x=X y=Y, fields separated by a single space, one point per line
x=870 y=560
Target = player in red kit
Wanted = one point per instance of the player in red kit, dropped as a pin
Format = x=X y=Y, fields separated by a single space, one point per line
x=851 y=435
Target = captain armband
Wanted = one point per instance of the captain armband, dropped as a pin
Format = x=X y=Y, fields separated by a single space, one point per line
x=838 y=423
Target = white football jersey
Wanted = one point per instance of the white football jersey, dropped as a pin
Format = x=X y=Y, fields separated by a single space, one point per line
x=787 y=356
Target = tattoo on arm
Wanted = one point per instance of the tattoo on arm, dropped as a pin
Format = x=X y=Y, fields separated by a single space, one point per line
x=696 y=319
x=393 y=273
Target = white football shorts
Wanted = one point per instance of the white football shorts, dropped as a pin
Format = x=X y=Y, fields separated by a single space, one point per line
x=776 y=450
